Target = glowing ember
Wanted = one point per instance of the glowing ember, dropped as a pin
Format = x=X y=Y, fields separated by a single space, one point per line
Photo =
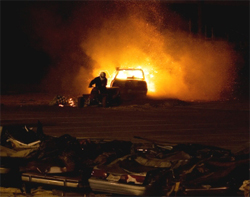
x=175 y=64
x=103 y=35
x=60 y=105
x=71 y=102
x=63 y=101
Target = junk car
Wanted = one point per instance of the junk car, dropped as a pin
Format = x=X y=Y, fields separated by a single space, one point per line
x=130 y=81
x=182 y=169
x=118 y=166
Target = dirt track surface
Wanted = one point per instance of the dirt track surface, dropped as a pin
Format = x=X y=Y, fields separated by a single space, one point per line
x=222 y=123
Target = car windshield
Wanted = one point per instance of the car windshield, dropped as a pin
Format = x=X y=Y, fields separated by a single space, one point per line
x=130 y=74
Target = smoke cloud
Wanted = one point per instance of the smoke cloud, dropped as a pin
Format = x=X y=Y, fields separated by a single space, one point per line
x=88 y=37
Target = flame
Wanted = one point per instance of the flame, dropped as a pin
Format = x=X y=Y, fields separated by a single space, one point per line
x=104 y=35
x=175 y=64
x=132 y=74
x=71 y=102
x=66 y=102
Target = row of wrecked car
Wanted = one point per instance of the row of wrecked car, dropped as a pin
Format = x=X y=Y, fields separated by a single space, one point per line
x=140 y=168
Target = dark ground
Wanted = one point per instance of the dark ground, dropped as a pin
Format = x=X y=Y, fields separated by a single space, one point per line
x=221 y=123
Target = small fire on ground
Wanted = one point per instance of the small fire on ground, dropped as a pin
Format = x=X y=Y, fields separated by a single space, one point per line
x=63 y=101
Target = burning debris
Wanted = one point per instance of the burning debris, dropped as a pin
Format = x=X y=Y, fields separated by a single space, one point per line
x=63 y=101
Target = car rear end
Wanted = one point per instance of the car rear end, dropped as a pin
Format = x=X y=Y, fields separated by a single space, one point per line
x=135 y=87
x=130 y=81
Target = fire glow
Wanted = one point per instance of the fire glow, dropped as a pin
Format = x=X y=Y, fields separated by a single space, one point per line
x=103 y=35
x=175 y=63
x=125 y=74
x=141 y=74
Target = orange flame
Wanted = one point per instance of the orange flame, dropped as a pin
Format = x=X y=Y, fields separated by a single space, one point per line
x=175 y=64
x=71 y=102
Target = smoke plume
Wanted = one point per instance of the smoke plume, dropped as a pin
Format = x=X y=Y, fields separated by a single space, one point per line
x=93 y=36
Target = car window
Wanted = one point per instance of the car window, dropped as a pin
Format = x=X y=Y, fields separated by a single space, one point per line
x=129 y=74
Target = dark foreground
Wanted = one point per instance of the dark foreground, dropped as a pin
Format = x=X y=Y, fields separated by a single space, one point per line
x=221 y=124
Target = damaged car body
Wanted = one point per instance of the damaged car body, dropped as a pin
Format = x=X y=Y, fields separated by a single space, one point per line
x=130 y=81
x=118 y=166
x=170 y=170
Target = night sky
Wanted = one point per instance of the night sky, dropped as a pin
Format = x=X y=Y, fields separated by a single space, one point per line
x=26 y=60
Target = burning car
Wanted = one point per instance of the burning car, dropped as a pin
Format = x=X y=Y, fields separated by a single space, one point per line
x=130 y=81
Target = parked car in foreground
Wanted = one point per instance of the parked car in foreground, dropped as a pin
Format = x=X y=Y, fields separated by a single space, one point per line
x=130 y=81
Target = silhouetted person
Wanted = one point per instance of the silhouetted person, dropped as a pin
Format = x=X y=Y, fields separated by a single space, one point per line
x=100 y=83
